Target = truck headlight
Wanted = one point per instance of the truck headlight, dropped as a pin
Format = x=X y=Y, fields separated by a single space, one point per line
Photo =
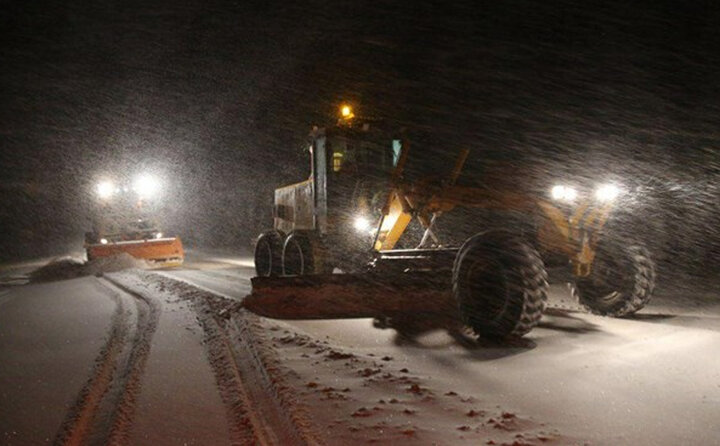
x=607 y=192
x=105 y=189
x=146 y=186
x=563 y=193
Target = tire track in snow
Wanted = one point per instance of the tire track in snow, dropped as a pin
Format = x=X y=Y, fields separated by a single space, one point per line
x=243 y=382
x=147 y=324
x=245 y=425
x=258 y=410
x=104 y=410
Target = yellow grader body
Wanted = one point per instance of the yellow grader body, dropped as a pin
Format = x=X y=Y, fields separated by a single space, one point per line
x=574 y=235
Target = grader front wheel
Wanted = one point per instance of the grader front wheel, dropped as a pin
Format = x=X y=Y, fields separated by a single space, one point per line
x=499 y=284
x=620 y=283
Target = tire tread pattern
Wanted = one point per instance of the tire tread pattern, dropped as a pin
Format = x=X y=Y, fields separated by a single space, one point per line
x=643 y=285
x=527 y=263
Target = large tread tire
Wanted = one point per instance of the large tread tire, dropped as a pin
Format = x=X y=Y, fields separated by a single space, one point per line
x=268 y=254
x=621 y=282
x=499 y=284
x=304 y=253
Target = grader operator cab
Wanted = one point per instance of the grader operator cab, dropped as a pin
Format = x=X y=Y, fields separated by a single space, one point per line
x=356 y=205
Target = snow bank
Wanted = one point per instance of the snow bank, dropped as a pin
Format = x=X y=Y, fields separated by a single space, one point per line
x=70 y=267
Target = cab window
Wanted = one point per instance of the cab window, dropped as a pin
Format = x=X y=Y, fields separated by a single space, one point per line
x=363 y=156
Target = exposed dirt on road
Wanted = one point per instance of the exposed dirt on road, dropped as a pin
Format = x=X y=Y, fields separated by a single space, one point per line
x=360 y=398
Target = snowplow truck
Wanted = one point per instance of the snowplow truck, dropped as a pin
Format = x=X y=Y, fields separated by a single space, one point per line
x=122 y=224
x=351 y=213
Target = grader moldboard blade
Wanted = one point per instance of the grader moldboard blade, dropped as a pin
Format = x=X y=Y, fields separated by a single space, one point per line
x=344 y=296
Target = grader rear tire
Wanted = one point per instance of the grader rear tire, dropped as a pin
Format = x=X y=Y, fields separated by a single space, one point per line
x=499 y=284
x=268 y=254
x=304 y=253
x=621 y=281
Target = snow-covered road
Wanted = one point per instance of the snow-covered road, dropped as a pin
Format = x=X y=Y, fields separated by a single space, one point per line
x=653 y=379
x=46 y=351
x=167 y=357
x=133 y=358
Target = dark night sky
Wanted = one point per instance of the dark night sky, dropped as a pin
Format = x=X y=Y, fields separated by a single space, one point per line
x=218 y=96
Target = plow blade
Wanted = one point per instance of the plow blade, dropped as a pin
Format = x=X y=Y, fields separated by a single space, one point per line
x=342 y=296
x=163 y=252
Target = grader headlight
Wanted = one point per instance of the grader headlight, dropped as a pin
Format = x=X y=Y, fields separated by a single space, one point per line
x=361 y=224
x=563 y=193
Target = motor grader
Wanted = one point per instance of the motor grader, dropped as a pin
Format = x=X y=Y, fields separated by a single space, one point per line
x=353 y=211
